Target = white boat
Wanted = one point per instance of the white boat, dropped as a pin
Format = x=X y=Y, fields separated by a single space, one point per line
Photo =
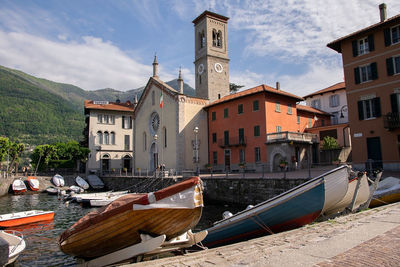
x=33 y=183
x=103 y=201
x=25 y=217
x=95 y=182
x=336 y=186
x=76 y=189
x=58 y=180
x=16 y=244
x=361 y=197
x=18 y=186
x=86 y=199
x=388 y=191
x=81 y=182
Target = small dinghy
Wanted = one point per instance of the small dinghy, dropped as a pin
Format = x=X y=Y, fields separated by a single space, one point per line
x=388 y=191
x=33 y=183
x=14 y=243
x=81 y=182
x=76 y=189
x=52 y=190
x=58 y=180
x=95 y=182
x=18 y=186
x=25 y=217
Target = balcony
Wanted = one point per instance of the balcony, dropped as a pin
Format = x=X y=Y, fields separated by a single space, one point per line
x=391 y=121
x=286 y=137
x=232 y=142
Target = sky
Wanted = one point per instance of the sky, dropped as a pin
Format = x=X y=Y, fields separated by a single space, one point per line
x=96 y=44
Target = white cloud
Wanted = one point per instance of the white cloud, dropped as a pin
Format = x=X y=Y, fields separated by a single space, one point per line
x=90 y=64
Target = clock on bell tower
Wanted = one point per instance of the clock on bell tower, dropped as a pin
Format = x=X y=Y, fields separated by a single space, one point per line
x=211 y=56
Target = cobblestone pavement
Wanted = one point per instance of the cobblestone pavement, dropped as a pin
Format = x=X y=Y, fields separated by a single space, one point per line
x=368 y=238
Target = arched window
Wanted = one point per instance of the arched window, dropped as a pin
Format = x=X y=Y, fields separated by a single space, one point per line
x=144 y=142
x=112 y=138
x=99 y=138
x=219 y=39
x=214 y=37
x=106 y=138
x=153 y=98
x=165 y=136
x=202 y=39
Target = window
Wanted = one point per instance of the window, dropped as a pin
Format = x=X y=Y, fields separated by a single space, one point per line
x=257 y=130
x=335 y=118
x=112 y=138
x=226 y=114
x=331 y=133
x=202 y=39
x=277 y=106
x=241 y=136
x=226 y=138
x=106 y=138
x=363 y=45
x=112 y=119
x=395 y=103
x=309 y=122
x=334 y=101
x=217 y=38
x=106 y=119
x=126 y=122
x=99 y=138
x=278 y=129
x=213 y=116
x=366 y=73
x=153 y=98
x=99 y=118
x=257 y=154
x=298 y=119
x=289 y=109
x=242 y=156
x=215 y=158
x=316 y=103
x=214 y=137
x=369 y=108
x=392 y=35
x=126 y=143
x=144 y=142
x=240 y=108
x=255 y=105
x=393 y=65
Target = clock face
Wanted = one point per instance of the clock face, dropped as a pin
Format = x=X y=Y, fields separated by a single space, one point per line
x=200 y=69
x=218 y=67
x=155 y=121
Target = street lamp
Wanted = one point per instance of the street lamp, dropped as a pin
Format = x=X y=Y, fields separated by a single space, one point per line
x=196 y=147
x=341 y=111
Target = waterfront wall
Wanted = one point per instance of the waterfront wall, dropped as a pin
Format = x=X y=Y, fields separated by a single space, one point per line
x=232 y=190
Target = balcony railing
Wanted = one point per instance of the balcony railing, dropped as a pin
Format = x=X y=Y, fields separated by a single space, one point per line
x=283 y=137
x=391 y=120
x=232 y=141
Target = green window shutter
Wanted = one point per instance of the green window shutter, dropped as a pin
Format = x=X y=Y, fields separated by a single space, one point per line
x=394 y=104
x=374 y=71
x=389 y=66
x=355 y=48
x=386 y=33
x=360 y=110
x=357 y=75
x=371 y=45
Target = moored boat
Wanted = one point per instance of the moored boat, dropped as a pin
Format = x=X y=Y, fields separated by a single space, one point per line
x=294 y=208
x=170 y=211
x=388 y=191
x=76 y=189
x=16 y=244
x=18 y=186
x=25 y=217
x=81 y=182
x=95 y=182
x=33 y=183
x=52 y=190
x=58 y=180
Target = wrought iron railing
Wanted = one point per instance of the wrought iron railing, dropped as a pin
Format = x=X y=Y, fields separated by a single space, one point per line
x=391 y=120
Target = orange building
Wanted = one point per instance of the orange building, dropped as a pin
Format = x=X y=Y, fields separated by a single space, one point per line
x=371 y=63
x=260 y=127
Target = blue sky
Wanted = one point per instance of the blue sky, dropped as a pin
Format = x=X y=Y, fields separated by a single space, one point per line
x=111 y=44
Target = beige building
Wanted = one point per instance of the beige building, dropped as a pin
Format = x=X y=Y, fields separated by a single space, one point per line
x=174 y=134
x=108 y=135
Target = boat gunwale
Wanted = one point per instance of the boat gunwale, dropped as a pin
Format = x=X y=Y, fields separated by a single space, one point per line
x=24 y=212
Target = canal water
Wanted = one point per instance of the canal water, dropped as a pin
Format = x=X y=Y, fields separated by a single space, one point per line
x=41 y=238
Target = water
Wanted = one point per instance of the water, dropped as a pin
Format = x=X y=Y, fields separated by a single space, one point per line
x=41 y=238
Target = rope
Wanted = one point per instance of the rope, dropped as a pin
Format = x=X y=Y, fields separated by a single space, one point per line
x=261 y=224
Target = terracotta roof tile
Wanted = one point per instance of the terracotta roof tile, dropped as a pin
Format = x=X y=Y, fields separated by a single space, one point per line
x=106 y=105
x=338 y=86
x=311 y=110
x=255 y=90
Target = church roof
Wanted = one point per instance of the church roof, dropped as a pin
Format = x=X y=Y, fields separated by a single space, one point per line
x=259 y=89
x=106 y=105
x=335 y=87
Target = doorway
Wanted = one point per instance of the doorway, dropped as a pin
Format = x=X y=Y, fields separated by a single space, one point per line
x=374 y=151
x=227 y=156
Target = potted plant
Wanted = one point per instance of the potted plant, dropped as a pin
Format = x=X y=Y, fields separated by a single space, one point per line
x=283 y=163
x=242 y=165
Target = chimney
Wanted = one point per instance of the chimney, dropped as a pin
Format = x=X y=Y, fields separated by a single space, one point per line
x=382 y=11
x=278 y=86
x=180 y=82
x=155 y=67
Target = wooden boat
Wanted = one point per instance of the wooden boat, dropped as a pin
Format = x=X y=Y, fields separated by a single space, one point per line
x=81 y=182
x=388 y=191
x=58 y=180
x=294 y=208
x=52 y=190
x=33 y=183
x=95 y=182
x=16 y=244
x=25 y=217
x=170 y=211
x=361 y=197
x=18 y=186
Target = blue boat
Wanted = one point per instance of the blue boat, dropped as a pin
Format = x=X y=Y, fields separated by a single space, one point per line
x=294 y=208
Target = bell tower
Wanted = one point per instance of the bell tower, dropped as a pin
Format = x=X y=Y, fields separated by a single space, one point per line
x=211 y=56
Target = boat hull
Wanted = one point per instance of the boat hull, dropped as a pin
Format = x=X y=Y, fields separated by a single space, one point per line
x=18 y=187
x=390 y=196
x=33 y=183
x=289 y=211
x=25 y=218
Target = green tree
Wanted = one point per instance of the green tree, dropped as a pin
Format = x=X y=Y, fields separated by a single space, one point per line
x=233 y=88
x=11 y=150
x=330 y=143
